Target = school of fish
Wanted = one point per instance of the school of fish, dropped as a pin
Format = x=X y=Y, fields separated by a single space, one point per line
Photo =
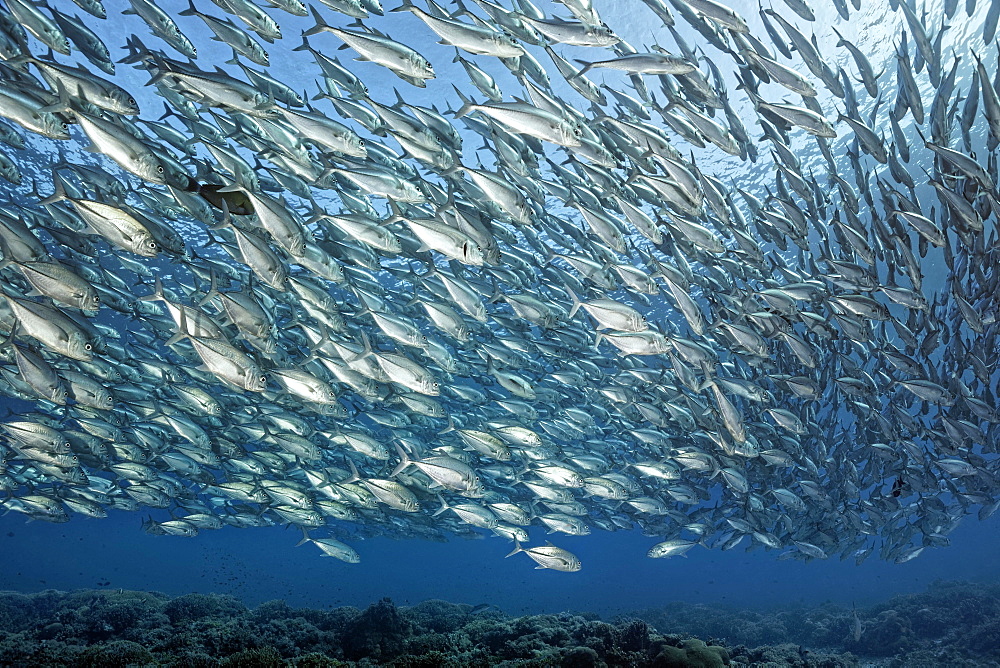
x=735 y=290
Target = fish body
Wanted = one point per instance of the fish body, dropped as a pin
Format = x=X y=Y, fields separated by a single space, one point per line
x=550 y=556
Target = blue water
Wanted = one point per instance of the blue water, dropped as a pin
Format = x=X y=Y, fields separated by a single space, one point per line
x=261 y=564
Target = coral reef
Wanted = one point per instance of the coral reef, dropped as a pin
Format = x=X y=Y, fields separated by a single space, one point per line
x=954 y=624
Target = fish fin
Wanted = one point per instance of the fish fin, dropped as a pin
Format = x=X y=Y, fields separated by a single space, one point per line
x=576 y=302
x=157 y=295
x=354 y=473
x=467 y=104
x=182 y=330
x=58 y=195
x=587 y=66
x=444 y=506
x=404 y=462
x=321 y=23
x=213 y=291
x=517 y=548
x=450 y=427
x=407 y=6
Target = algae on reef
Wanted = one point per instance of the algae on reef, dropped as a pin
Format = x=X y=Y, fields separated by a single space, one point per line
x=953 y=624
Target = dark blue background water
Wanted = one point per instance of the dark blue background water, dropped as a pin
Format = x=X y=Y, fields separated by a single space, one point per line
x=261 y=564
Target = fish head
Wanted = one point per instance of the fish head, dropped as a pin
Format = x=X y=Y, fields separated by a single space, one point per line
x=55 y=127
x=124 y=103
x=58 y=41
x=151 y=168
x=517 y=533
x=105 y=399
x=79 y=347
x=90 y=300
x=145 y=245
x=255 y=380
x=509 y=41
x=572 y=133
x=58 y=394
x=356 y=148
x=473 y=253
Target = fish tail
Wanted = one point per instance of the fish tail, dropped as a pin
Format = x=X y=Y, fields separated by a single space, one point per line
x=407 y=6
x=404 y=462
x=321 y=23
x=587 y=66
x=354 y=473
x=157 y=295
x=576 y=302
x=58 y=195
x=9 y=341
x=213 y=291
x=305 y=537
x=450 y=427
x=517 y=548
x=466 y=103
x=444 y=506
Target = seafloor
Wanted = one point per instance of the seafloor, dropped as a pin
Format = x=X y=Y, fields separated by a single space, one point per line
x=951 y=624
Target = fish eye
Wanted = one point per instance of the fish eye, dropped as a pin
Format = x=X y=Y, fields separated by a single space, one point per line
x=152 y=244
x=97 y=298
x=263 y=379
x=131 y=100
x=88 y=347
